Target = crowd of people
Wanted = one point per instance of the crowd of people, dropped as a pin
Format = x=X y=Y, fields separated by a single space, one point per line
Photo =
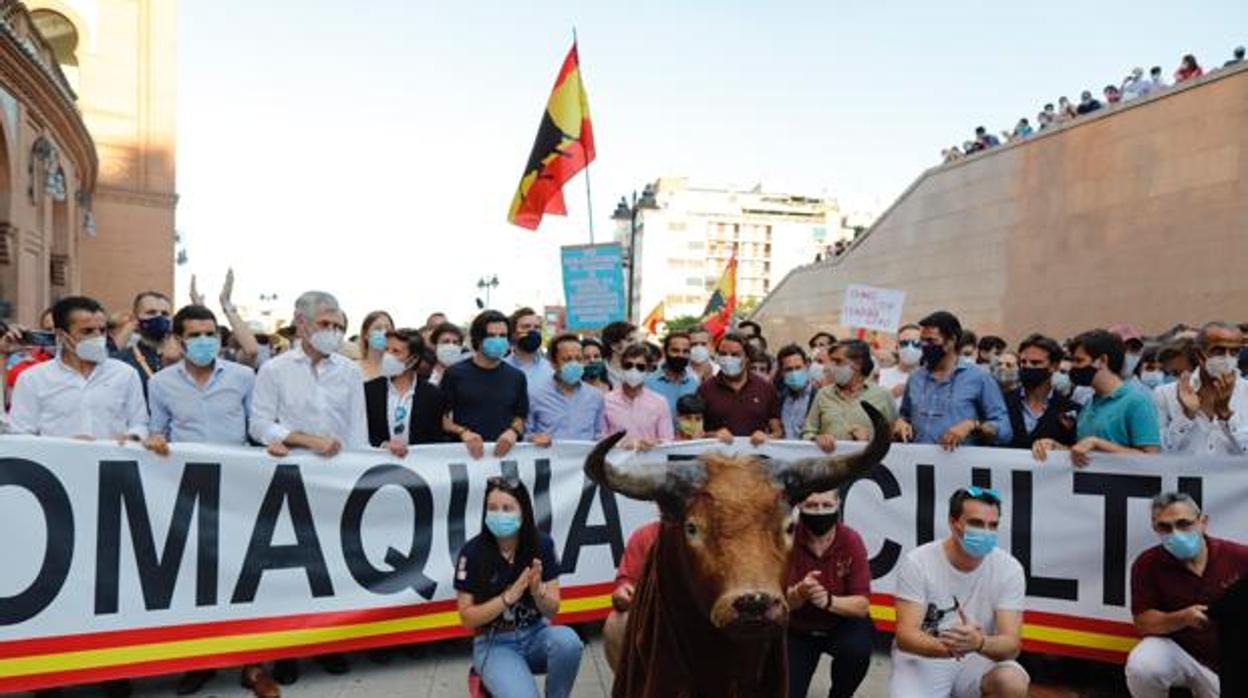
x=160 y=377
x=1135 y=85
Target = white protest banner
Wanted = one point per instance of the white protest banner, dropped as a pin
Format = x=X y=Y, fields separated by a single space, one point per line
x=872 y=308
x=120 y=563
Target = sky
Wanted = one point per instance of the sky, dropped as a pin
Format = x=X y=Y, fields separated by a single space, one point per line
x=372 y=149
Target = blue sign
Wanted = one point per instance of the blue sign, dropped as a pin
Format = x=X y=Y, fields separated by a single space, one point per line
x=593 y=284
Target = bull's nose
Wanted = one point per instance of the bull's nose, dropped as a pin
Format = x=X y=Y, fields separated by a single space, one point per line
x=754 y=606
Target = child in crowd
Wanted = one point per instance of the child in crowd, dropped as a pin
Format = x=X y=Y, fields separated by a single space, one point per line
x=689 y=411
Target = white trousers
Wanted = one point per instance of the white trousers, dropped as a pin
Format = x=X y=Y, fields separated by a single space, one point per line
x=924 y=677
x=1158 y=663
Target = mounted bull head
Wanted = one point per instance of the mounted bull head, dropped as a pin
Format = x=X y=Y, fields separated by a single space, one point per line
x=727 y=519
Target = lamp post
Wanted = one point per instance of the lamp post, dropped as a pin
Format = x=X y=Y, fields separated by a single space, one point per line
x=624 y=211
x=487 y=284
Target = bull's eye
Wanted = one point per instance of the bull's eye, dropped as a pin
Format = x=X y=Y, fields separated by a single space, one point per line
x=691 y=529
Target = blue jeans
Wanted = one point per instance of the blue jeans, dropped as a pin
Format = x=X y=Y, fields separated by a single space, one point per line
x=508 y=661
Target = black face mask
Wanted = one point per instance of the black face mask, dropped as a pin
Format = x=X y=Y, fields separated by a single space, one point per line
x=819 y=524
x=1082 y=376
x=530 y=342
x=1031 y=377
x=677 y=364
x=932 y=355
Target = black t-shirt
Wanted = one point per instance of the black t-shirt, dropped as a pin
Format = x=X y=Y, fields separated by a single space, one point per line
x=485 y=400
x=1087 y=107
x=483 y=572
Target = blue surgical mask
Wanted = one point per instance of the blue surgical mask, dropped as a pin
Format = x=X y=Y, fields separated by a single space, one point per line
x=495 y=348
x=1184 y=545
x=731 y=365
x=571 y=372
x=797 y=378
x=377 y=340
x=503 y=524
x=1152 y=379
x=978 y=542
x=202 y=351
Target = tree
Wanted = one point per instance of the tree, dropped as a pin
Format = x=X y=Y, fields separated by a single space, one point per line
x=684 y=323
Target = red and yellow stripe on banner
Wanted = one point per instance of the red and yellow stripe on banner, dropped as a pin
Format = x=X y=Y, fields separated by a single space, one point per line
x=59 y=661
x=27 y=665
x=1048 y=633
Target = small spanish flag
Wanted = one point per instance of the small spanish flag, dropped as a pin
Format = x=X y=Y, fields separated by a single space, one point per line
x=723 y=302
x=564 y=147
x=651 y=323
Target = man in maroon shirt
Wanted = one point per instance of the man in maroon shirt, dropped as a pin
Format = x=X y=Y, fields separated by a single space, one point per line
x=632 y=565
x=738 y=402
x=1172 y=587
x=828 y=583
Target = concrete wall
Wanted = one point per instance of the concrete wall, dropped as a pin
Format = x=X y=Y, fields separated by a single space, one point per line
x=1137 y=213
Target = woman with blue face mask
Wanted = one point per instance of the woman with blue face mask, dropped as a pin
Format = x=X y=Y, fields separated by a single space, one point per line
x=507 y=580
x=373 y=331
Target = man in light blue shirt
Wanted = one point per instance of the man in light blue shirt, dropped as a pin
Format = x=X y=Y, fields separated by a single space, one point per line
x=948 y=403
x=526 y=350
x=674 y=379
x=200 y=399
x=563 y=407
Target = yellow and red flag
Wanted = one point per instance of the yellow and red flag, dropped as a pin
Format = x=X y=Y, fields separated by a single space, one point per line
x=651 y=323
x=564 y=147
x=717 y=317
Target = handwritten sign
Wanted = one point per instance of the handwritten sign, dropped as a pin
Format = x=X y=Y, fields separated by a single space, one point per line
x=872 y=308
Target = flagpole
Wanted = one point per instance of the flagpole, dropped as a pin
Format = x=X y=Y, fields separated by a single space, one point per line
x=589 y=197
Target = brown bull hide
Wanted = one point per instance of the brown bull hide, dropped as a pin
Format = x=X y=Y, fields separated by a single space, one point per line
x=709 y=612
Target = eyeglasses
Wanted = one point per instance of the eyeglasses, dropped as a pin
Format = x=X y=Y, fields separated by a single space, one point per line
x=1182 y=525
x=631 y=365
x=977 y=492
x=909 y=343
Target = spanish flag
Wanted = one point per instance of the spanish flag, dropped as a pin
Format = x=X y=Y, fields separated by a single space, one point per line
x=718 y=314
x=651 y=323
x=564 y=146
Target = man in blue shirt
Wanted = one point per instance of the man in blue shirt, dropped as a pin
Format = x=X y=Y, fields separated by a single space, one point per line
x=564 y=408
x=1122 y=417
x=948 y=403
x=203 y=399
x=674 y=379
x=526 y=350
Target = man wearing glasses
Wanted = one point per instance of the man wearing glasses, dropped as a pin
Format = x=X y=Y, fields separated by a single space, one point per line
x=1172 y=587
x=960 y=609
x=635 y=409
x=1206 y=412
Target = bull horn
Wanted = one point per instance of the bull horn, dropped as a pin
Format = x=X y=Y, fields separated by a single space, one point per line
x=639 y=477
x=804 y=477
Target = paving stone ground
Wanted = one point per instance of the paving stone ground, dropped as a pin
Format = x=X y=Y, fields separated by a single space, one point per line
x=442 y=669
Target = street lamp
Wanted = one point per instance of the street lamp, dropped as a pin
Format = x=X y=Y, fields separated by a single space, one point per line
x=626 y=212
x=487 y=284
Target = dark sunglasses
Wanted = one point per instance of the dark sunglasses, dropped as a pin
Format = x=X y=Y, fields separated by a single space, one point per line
x=631 y=365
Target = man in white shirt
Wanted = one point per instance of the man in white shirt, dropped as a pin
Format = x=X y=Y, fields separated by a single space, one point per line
x=81 y=393
x=960 y=609
x=311 y=396
x=909 y=354
x=1207 y=412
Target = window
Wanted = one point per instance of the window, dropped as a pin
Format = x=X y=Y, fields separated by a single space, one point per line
x=60 y=34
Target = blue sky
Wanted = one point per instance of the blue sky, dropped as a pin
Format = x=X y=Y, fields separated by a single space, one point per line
x=371 y=149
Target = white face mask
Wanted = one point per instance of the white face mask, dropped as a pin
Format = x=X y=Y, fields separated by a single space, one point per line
x=817 y=371
x=634 y=377
x=391 y=366
x=732 y=366
x=910 y=356
x=92 y=350
x=326 y=341
x=1218 y=366
x=449 y=354
x=843 y=374
x=700 y=354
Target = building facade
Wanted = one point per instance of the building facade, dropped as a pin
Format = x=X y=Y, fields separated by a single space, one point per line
x=686 y=237
x=119 y=57
x=48 y=169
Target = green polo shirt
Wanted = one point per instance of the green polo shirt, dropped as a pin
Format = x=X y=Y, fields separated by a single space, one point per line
x=1127 y=417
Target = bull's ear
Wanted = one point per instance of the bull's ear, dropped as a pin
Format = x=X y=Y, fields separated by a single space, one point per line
x=804 y=477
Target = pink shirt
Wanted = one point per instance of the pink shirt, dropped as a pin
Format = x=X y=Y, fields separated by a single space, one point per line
x=646 y=416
